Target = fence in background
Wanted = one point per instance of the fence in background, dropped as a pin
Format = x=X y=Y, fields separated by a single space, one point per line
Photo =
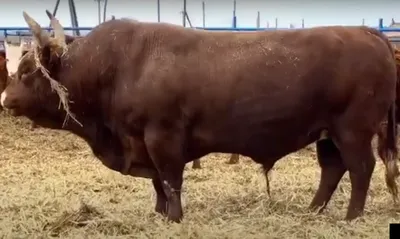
x=25 y=31
x=14 y=34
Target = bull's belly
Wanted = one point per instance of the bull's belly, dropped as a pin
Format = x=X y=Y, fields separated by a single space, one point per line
x=128 y=165
x=278 y=147
x=257 y=145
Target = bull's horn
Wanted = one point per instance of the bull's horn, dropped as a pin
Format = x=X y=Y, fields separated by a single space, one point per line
x=49 y=14
x=41 y=37
x=59 y=34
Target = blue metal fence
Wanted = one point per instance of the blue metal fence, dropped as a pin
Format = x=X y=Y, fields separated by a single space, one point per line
x=24 y=31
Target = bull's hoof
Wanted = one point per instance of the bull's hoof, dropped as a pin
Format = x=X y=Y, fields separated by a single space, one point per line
x=161 y=208
x=175 y=218
x=316 y=208
x=352 y=216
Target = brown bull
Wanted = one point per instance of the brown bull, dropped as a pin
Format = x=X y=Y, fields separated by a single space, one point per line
x=149 y=98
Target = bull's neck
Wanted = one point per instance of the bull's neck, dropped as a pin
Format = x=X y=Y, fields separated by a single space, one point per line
x=84 y=81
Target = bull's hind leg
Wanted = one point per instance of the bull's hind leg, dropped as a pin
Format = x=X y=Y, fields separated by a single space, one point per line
x=358 y=158
x=332 y=171
x=162 y=203
x=166 y=149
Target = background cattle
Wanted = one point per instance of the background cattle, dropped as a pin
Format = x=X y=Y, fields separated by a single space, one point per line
x=4 y=78
x=156 y=108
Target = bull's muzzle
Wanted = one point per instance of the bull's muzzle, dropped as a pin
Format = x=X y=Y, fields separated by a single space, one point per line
x=6 y=104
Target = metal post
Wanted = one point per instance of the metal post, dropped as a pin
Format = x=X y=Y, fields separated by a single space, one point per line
x=184 y=14
x=158 y=11
x=71 y=12
x=380 y=23
x=105 y=10
x=302 y=23
x=188 y=19
x=258 y=19
x=363 y=21
x=234 y=23
x=276 y=22
x=204 y=14
x=74 y=17
x=99 y=10
x=56 y=7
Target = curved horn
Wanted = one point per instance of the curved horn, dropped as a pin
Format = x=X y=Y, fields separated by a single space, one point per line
x=59 y=34
x=41 y=37
x=49 y=14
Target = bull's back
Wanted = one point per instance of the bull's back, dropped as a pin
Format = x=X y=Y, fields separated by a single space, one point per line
x=267 y=85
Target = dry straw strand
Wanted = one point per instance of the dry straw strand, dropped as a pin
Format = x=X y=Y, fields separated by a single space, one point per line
x=61 y=90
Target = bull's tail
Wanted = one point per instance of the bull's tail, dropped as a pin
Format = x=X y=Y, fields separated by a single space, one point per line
x=387 y=140
x=389 y=152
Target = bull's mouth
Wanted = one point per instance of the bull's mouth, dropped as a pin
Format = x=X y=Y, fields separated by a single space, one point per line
x=13 y=112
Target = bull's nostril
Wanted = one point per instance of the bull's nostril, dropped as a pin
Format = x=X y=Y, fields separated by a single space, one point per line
x=3 y=98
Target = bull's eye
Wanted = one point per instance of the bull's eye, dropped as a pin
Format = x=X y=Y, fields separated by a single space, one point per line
x=27 y=78
x=22 y=77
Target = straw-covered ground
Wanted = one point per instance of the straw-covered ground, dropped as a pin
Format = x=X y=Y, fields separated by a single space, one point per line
x=51 y=185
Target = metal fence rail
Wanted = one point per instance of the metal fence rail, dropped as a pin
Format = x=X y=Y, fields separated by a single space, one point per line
x=25 y=31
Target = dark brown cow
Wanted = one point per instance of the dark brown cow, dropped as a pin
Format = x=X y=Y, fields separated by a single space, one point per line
x=150 y=97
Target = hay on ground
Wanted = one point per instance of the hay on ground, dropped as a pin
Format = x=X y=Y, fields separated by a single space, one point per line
x=53 y=186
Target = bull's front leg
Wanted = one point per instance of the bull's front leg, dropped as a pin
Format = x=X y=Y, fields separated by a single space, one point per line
x=135 y=151
x=166 y=149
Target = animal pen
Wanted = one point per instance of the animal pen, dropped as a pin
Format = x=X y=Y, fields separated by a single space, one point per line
x=53 y=186
x=13 y=35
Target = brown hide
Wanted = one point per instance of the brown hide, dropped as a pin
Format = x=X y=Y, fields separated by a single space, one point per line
x=152 y=97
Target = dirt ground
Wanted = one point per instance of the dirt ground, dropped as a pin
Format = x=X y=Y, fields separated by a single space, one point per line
x=51 y=185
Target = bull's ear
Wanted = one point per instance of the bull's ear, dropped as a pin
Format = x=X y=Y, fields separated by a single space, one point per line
x=41 y=37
